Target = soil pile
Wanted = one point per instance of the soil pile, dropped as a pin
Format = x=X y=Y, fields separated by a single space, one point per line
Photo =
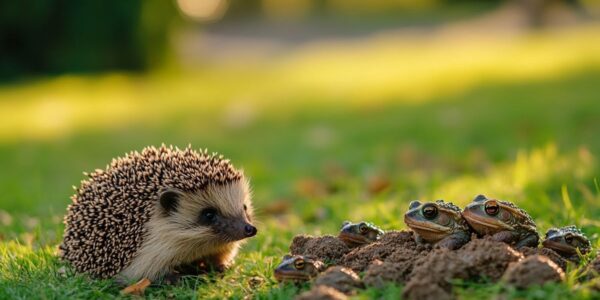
x=487 y=258
x=427 y=272
x=328 y=249
x=397 y=245
x=322 y=293
x=340 y=278
x=551 y=254
x=533 y=270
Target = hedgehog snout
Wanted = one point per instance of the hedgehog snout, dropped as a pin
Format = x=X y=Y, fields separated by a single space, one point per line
x=250 y=230
x=236 y=229
x=245 y=230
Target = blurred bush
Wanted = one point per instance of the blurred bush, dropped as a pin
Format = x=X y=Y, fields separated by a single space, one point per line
x=58 y=36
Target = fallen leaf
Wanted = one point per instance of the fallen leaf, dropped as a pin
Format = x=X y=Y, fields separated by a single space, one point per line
x=310 y=188
x=5 y=218
x=377 y=184
x=137 y=288
x=277 y=207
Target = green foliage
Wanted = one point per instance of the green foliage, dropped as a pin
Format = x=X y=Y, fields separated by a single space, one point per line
x=52 y=36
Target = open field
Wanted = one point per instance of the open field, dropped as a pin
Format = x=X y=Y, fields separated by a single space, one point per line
x=325 y=136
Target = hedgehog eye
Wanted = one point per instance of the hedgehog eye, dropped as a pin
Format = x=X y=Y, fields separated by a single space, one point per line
x=492 y=208
x=299 y=264
x=430 y=211
x=208 y=216
x=245 y=207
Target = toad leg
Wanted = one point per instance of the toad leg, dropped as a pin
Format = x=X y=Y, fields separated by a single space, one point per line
x=504 y=236
x=453 y=241
x=529 y=241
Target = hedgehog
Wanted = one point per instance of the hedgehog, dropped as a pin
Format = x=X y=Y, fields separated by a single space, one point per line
x=148 y=214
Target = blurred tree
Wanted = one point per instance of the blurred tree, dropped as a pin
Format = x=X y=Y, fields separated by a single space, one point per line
x=537 y=9
x=57 y=36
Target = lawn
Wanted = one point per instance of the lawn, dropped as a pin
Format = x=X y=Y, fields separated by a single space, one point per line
x=326 y=134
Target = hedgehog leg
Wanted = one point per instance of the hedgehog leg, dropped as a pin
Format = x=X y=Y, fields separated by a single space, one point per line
x=213 y=263
x=221 y=261
x=172 y=278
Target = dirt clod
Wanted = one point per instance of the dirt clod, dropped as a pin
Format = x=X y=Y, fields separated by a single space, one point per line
x=379 y=273
x=339 y=278
x=533 y=270
x=423 y=290
x=551 y=254
x=433 y=274
x=322 y=293
x=487 y=258
x=360 y=258
x=440 y=267
x=328 y=249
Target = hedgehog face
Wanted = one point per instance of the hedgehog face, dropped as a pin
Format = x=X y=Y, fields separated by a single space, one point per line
x=188 y=226
x=219 y=213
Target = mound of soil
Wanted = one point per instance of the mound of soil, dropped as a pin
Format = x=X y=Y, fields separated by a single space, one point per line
x=440 y=267
x=379 y=273
x=533 y=270
x=433 y=274
x=339 y=278
x=488 y=258
x=321 y=293
x=328 y=249
x=360 y=258
x=551 y=254
x=423 y=290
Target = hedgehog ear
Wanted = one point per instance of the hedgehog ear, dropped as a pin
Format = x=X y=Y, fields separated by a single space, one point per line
x=169 y=200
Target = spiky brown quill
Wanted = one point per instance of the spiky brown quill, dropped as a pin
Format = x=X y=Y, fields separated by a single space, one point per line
x=149 y=212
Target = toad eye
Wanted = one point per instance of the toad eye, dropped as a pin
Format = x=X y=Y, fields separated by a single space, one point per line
x=208 y=216
x=492 y=208
x=362 y=228
x=299 y=264
x=569 y=238
x=430 y=211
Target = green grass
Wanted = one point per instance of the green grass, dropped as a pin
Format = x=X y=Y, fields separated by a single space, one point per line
x=533 y=140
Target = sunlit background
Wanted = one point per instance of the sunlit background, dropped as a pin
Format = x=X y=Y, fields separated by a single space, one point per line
x=336 y=109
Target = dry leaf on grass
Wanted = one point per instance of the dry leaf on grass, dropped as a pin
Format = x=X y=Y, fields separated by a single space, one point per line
x=137 y=288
